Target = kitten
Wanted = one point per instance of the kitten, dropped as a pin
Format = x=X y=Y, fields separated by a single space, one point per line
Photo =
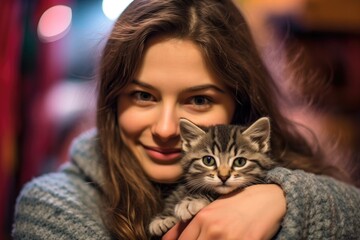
x=216 y=161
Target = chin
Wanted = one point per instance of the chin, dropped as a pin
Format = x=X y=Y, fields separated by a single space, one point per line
x=224 y=189
x=165 y=174
x=165 y=180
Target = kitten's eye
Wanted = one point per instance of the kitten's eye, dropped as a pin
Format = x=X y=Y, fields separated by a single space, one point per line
x=239 y=162
x=209 y=161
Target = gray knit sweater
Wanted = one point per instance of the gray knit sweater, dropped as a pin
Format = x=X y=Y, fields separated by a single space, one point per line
x=65 y=205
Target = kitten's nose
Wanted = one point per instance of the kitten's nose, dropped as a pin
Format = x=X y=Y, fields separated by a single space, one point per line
x=223 y=178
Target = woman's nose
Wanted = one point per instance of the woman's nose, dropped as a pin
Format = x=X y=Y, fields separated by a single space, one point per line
x=167 y=124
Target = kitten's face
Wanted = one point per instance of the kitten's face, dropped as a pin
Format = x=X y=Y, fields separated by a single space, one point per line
x=225 y=158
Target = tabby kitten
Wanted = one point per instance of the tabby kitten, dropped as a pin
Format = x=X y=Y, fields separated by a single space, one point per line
x=216 y=161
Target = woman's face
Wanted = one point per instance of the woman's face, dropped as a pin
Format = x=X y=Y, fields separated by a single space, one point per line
x=172 y=82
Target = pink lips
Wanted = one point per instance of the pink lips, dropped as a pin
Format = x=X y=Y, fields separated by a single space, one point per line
x=162 y=154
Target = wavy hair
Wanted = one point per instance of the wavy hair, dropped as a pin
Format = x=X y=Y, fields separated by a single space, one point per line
x=219 y=29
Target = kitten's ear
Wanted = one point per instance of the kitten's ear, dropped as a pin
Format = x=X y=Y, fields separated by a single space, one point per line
x=259 y=134
x=190 y=134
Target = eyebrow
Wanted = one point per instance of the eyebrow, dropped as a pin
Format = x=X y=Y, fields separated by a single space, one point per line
x=190 y=89
x=142 y=84
x=205 y=87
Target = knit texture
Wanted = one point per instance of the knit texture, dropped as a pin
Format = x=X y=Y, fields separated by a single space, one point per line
x=67 y=204
x=318 y=207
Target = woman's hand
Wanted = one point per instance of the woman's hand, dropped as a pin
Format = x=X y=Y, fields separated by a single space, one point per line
x=253 y=213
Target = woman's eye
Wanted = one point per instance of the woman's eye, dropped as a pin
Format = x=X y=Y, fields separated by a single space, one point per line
x=142 y=96
x=200 y=101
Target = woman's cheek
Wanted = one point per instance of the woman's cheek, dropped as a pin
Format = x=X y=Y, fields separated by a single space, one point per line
x=134 y=120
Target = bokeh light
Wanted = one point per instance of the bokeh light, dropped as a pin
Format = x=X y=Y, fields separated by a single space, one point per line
x=113 y=8
x=54 y=23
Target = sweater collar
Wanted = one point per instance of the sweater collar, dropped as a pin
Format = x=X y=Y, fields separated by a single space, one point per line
x=85 y=154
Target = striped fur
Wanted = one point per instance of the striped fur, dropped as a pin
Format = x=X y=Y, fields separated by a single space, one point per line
x=217 y=160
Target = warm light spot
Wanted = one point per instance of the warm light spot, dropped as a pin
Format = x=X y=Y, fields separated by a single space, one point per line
x=67 y=98
x=54 y=23
x=113 y=8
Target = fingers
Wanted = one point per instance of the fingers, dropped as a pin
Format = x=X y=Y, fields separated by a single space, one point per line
x=176 y=231
x=208 y=225
x=190 y=232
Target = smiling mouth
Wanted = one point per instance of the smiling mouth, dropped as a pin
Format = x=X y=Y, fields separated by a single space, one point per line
x=163 y=155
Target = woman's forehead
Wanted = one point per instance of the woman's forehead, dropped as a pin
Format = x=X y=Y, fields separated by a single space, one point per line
x=174 y=60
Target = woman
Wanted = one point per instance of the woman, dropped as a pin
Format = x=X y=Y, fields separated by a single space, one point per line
x=167 y=59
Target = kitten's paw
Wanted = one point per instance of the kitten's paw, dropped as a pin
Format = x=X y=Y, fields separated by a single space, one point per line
x=160 y=225
x=188 y=207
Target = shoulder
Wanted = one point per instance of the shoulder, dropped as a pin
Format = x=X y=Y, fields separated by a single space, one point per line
x=318 y=206
x=300 y=185
x=300 y=179
x=58 y=206
x=62 y=205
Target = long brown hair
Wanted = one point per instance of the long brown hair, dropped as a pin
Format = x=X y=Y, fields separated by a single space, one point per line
x=222 y=34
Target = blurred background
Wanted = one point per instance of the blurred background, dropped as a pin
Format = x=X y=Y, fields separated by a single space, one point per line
x=49 y=51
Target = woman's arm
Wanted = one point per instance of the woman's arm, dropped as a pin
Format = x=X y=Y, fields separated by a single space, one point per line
x=316 y=207
x=254 y=213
